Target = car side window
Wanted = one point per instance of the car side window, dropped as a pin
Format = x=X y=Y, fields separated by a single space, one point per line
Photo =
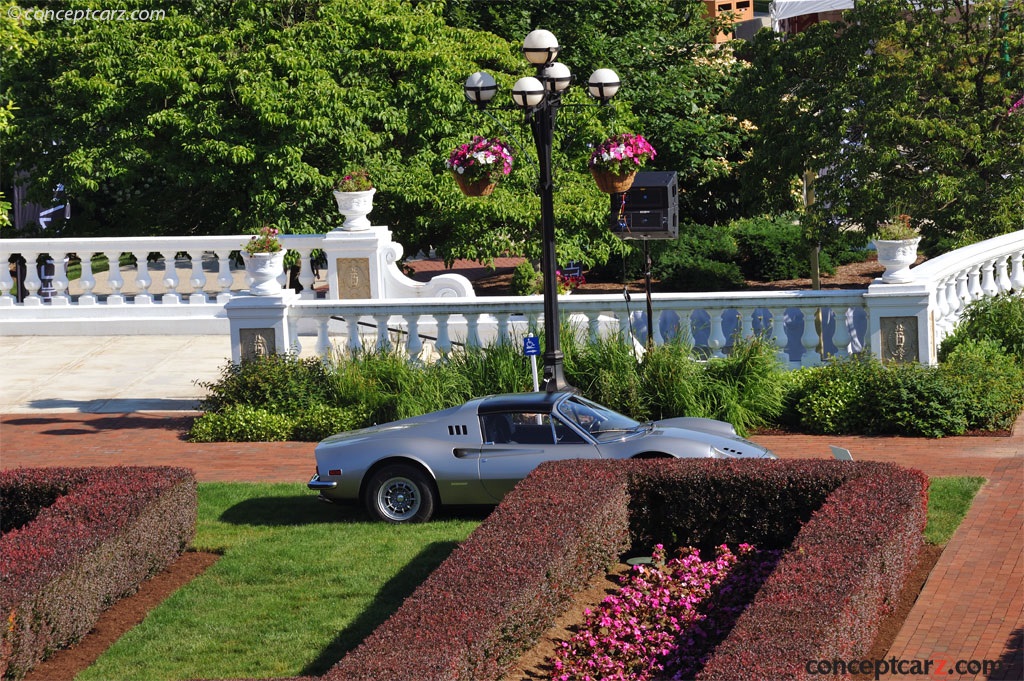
x=497 y=428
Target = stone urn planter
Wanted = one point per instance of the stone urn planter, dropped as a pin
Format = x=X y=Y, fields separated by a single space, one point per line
x=265 y=270
x=897 y=256
x=355 y=206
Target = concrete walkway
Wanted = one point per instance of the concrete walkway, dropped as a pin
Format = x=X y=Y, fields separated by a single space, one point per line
x=125 y=401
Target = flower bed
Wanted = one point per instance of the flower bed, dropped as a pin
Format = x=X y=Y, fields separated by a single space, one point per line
x=77 y=539
x=850 y=532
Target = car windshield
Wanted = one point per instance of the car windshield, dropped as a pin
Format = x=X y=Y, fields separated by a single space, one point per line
x=601 y=422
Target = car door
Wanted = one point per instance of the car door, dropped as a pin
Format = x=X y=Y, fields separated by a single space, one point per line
x=532 y=438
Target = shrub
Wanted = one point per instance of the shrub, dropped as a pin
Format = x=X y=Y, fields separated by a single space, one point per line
x=703 y=258
x=676 y=384
x=526 y=280
x=1000 y=319
x=851 y=533
x=606 y=371
x=107 y=531
x=321 y=421
x=498 y=368
x=284 y=384
x=241 y=423
x=991 y=381
x=749 y=385
x=771 y=249
x=914 y=400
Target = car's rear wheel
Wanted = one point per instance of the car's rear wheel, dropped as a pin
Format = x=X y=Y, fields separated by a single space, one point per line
x=400 y=494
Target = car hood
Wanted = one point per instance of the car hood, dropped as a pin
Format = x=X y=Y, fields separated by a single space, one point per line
x=718 y=434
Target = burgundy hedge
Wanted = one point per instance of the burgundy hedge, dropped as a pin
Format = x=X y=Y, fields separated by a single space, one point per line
x=79 y=539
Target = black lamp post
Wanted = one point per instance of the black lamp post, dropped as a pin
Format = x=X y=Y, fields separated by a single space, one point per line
x=540 y=98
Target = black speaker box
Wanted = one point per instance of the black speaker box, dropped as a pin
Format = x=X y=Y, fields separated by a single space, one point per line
x=651 y=208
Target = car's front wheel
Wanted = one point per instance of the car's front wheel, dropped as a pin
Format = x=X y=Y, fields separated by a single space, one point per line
x=400 y=494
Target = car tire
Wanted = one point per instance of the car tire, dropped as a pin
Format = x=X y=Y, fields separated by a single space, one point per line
x=400 y=494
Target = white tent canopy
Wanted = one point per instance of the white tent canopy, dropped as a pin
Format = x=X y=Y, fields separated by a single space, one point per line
x=784 y=9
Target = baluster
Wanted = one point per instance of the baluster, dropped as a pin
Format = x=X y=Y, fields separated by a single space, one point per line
x=171 y=281
x=593 y=326
x=779 y=335
x=115 y=282
x=684 y=326
x=197 y=281
x=60 y=280
x=504 y=332
x=225 y=280
x=443 y=342
x=988 y=281
x=1003 y=278
x=1017 y=272
x=87 y=281
x=974 y=283
x=842 y=337
x=6 y=281
x=809 y=339
x=963 y=292
x=32 y=280
x=942 y=301
x=323 y=337
x=294 y=344
x=306 y=277
x=952 y=303
x=143 y=280
x=473 y=329
x=656 y=328
x=383 y=339
x=355 y=344
x=717 y=340
x=414 y=345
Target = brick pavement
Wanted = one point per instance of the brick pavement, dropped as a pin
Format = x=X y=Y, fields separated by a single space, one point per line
x=971 y=608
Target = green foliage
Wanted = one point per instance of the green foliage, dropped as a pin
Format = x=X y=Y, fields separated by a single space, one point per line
x=283 y=384
x=1000 y=319
x=498 y=368
x=526 y=280
x=675 y=382
x=980 y=388
x=703 y=258
x=320 y=421
x=901 y=111
x=606 y=371
x=241 y=423
x=777 y=248
x=747 y=384
x=993 y=382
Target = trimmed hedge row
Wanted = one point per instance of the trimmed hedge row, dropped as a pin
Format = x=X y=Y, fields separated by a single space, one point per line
x=853 y=531
x=84 y=538
x=499 y=590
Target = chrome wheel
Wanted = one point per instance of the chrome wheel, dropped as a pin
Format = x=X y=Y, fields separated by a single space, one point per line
x=400 y=494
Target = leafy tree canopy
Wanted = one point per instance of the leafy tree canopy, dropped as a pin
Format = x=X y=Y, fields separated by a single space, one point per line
x=902 y=108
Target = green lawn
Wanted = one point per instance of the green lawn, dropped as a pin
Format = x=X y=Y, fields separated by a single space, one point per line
x=302 y=582
x=299 y=584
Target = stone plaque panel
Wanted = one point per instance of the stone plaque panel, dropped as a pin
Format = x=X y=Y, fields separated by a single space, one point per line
x=353 y=278
x=899 y=339
x=257 y=343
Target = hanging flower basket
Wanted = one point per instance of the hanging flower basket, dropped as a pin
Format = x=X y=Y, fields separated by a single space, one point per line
x=615 y=161
x=612 y=183
x=475 y=187
x=479 y=165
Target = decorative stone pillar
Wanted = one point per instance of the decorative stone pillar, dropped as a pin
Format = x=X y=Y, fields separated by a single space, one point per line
x=900 y=326
x=259 y=324
x=356 y=262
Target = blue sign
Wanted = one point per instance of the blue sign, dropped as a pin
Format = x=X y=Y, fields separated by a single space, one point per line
x=531 y=346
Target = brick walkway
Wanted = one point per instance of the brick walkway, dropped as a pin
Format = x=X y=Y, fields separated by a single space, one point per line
x=971 y=608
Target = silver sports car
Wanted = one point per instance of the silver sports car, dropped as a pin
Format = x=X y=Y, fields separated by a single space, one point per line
x=476 y=453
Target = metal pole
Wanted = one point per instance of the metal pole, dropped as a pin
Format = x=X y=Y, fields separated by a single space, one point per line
x=542 y=124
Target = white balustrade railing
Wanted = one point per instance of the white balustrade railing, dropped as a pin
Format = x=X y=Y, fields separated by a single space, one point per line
x=183 y=285
x=803 y=323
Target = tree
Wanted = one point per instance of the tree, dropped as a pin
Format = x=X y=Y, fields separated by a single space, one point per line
x=904 y=107
x=13 y=41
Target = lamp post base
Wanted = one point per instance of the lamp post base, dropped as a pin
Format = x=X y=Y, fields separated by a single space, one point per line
x=554 y=375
